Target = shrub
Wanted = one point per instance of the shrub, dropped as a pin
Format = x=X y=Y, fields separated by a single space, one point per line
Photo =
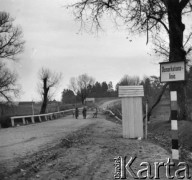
x=5 y=121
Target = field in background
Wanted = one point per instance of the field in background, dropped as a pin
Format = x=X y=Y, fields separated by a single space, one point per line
x=100 y=101
x=28 y=110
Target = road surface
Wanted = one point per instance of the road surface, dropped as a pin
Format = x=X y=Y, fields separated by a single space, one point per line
x=24 y=140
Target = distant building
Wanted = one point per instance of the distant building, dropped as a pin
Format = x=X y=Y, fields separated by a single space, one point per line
x=89 y=101
x=26 y=103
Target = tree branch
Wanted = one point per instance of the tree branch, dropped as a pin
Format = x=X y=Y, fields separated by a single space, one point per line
x=157 y=101
x=183 y=3
x=159 y=20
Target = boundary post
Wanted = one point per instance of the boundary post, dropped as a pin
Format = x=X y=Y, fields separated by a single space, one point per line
x=174 y=127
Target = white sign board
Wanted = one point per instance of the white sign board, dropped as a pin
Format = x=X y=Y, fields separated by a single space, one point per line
x=172 y=71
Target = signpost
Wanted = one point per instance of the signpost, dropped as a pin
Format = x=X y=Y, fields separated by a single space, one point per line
x=173 y=72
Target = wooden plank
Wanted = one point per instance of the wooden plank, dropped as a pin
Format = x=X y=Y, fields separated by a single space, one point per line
x=131 y=95
x=138 y=118
x=40 y=119
x=23 y=119
x=131 y=91
x=12 y=122
x=32 y=119
x=131 y=87
x=125 y=121
x=132 y=117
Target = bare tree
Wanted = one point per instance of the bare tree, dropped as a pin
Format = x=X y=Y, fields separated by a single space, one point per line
x=145 y=16
x=11 y=42
x=48 y=81
x=129 y=80
x=80 y=85
x=161 y=47
x=8 y=86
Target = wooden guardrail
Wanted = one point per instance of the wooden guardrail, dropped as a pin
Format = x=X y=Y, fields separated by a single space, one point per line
x=46 y=116
x=109 y=111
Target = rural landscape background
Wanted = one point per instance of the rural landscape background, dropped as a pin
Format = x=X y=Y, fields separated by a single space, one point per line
x=58 y=56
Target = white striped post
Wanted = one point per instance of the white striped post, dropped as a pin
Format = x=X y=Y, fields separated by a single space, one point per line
x=174 y=127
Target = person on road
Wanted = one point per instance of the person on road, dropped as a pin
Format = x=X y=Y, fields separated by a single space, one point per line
x=95 y=114
x=84 y=112
x=76 y=113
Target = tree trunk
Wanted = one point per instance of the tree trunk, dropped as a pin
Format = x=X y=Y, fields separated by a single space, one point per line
x=45 y=97
x=83 y=99
x=156 y=102
x=177 y=53
x=43 y=107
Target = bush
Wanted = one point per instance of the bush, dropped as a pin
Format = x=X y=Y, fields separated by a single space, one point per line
x=5 y=121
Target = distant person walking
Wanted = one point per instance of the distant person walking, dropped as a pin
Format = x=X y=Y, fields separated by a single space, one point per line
x=76 y=113
x=84 y=112
x=95 y=114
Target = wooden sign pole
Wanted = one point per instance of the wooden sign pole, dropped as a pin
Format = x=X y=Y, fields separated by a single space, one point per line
x=146 y=119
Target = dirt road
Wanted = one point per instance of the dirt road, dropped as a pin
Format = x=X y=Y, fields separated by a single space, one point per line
x=75 y=150
x=25 y=140
x=86 y=154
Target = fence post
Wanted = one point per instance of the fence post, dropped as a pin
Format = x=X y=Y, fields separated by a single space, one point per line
x=174 y=127
x=40 y=119
x=23 y=120
x=146 y=119
x=32 y=119
x=12 y=122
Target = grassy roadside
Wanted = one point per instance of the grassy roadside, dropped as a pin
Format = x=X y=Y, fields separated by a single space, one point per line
x=159 y=132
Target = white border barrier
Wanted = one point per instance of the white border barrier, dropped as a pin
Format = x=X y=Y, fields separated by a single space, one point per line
x=47 y=116
x=106 y=110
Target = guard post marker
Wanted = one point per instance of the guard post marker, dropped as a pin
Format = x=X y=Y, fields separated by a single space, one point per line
x=174 y=127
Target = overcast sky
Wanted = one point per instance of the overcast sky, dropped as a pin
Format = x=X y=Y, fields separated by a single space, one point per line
x=53 y=41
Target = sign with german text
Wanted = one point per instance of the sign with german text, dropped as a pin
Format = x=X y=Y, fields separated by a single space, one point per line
x=172 y=71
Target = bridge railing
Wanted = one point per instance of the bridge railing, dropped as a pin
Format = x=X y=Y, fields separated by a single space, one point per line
x=110 y=112
x=48 y=116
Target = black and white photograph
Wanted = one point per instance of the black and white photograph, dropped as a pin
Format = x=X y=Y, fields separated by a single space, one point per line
x=95 y=89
